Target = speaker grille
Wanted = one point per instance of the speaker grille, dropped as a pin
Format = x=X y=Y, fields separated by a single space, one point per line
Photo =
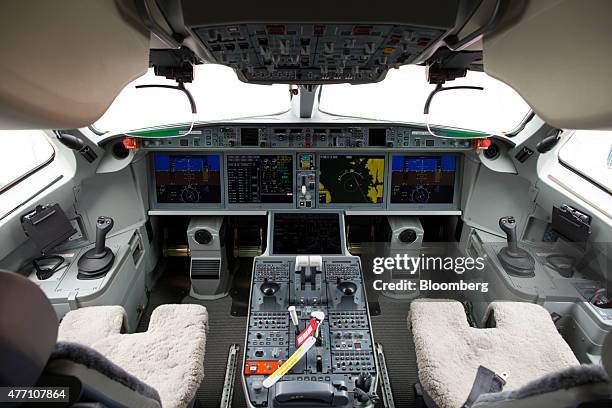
x=205 y=268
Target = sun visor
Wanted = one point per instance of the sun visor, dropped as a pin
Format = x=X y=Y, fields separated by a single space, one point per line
x=557 y=55
x=64 y=62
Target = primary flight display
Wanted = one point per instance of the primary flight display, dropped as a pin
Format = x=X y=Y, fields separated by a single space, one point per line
x=183 y=178
x=423 y=179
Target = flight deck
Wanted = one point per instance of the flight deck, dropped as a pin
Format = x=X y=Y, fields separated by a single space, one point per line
x=308 y=340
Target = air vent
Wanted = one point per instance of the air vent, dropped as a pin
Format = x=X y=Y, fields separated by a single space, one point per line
x=408 y=236
x=205 y=268
x=492 y=152
x=203 y=237
x=119 y=151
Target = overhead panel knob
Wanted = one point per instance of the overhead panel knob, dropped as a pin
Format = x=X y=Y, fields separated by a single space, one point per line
x=284 y=47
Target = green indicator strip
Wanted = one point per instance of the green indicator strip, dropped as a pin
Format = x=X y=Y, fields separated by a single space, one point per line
x=171 y=132
x=461 y=134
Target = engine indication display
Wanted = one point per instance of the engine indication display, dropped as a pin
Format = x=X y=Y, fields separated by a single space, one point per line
x=260 y=179
x=183 y=178
x=423 y=179
x=351 y=179
x=298 y=233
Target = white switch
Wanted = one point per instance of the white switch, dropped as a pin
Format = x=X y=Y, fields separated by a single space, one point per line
x=284 y=47
x=294 y=316
x=301 y=261
x=316 y=261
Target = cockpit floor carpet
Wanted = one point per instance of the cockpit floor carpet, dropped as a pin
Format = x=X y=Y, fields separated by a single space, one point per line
x=391 y=330
x=171 y=287
x=225 y=329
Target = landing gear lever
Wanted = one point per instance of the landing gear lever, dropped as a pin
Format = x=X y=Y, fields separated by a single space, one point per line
x=514 y=259
x=98 y=260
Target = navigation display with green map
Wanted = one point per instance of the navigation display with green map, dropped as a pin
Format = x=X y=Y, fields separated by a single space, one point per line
x=351 y=179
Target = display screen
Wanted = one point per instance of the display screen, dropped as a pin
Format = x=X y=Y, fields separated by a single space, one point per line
x=188 y=178
x=423 y=179
x=299 y=233
x=259 y=179
x=351 y=179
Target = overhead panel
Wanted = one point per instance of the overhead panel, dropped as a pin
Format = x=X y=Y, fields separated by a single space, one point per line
x=316 y=53
x=323 y=42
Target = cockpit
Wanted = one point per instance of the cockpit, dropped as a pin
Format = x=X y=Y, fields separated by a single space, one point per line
x=301 y=206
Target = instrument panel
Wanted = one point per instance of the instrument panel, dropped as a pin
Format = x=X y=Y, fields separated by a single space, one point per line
x=252 y=167
x=305 y=180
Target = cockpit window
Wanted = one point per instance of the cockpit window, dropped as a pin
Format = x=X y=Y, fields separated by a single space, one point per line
x=21 y=153
x=218 y=93
x=589 y=153
x=401 y=96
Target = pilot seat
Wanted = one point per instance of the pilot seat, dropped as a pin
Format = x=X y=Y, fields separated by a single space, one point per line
x=518 y=359
x=163 y=366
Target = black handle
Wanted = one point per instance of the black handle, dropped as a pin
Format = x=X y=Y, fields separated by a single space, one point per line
x=508 y=225
x=303 y=394
x=103 y=226
x=71 y=141
x=548 y=143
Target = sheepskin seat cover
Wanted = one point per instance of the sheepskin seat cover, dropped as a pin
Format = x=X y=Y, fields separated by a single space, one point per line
x=524 y=344
x=169 y=356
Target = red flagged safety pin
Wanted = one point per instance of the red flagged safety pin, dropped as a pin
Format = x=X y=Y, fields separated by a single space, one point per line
x=308 y=331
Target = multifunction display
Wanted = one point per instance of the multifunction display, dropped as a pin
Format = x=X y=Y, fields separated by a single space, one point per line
x=183 y=178
x=423 y=179
x=260 y=179
x=351 y=179
x=299 y=233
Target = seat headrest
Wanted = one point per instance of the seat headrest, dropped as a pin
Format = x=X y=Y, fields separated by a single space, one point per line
x=606 y=354
x=28 y=330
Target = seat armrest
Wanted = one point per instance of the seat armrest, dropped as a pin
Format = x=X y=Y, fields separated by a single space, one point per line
x=101 y=380
x=90 y=324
